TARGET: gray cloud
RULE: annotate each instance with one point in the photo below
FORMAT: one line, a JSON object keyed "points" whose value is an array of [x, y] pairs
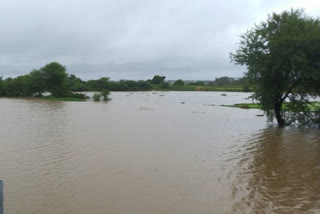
{"points": [[129, 39]]}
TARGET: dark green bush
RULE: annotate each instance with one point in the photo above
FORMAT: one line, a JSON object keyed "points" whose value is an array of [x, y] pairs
{"points": [[105, 93]]}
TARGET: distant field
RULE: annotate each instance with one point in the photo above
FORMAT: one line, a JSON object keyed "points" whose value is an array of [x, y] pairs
{"points": [[201, 88]]}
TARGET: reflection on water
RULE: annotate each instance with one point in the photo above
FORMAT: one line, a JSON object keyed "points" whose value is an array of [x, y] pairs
{"points": [[278, 171], [146, 153]]}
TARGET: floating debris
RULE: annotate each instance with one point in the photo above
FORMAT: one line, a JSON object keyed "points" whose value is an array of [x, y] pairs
{"points": [[260, 115]]}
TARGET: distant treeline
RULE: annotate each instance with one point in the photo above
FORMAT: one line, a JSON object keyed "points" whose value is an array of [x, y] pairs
{"points": [[54, 79], [156, 83]]}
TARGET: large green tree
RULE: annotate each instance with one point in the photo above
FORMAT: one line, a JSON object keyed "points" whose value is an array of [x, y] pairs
{"points": [[55, 78], [282, 56], [158, 79], [178, 82]]}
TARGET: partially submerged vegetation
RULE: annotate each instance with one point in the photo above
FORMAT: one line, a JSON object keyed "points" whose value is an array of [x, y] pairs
{"points": [[53, 79], [104, 94], [96, 97], [312, 106], [282, 55], [159, 83], [312, 110], [62, 99]]}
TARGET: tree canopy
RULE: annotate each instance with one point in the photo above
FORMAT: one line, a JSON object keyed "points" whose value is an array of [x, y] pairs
{"points": [[178, 82], [282, 56], [158, 79], [55, 78]]}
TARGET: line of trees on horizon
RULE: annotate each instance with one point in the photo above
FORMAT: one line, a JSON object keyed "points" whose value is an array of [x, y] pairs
{"points": [[54, 79]]}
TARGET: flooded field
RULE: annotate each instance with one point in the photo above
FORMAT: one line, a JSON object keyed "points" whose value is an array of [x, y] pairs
{"points": [[154, 153]]}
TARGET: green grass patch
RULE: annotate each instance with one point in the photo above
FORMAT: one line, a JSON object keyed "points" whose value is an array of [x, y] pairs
{"points": [[313, 106], [244, 105], [63, 99]]}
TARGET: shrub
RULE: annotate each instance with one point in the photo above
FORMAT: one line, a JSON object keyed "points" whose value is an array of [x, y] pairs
{"points": [[164, 85], [105, 93], [179, 82], [96, 96]]}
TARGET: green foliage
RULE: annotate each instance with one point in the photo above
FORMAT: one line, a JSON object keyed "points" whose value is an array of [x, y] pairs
{"points": [[122, 85], [197, 83], [96, 96], [105, 93], [34, 83], [2, 87], [99, 84], [246, 88], [282, 56], [224, 81], [55, 78], [230, 81], [164, 85], [14, 87], [76, 84], [63, 98], [312, 106], [51, 78], [158, 79], [179, 82]]}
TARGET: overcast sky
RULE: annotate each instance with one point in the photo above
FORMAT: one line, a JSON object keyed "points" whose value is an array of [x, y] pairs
{"points": [[131, 39]]}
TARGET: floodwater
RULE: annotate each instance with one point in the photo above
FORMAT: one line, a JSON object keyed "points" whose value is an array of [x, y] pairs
{"points": [[154, 153]]}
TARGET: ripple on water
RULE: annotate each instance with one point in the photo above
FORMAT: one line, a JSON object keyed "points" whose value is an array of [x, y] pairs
{"points": [[276, 171]]}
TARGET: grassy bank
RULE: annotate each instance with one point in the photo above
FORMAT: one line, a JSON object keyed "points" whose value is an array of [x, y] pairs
{"points": [[63, 99], [313, 106], [201, 88]]}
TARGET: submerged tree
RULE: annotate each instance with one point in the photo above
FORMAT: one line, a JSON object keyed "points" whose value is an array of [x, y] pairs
{"points": [[105, 94], [282, 56], [96, 96]]}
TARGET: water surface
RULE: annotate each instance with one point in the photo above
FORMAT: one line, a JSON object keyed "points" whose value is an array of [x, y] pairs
{"points": [[146, 152]]}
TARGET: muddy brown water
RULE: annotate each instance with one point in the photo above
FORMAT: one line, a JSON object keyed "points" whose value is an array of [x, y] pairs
{"points": [[145, 152]]}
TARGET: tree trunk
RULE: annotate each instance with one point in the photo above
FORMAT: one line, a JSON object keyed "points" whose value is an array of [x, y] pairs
{"points": [[277, 111]]}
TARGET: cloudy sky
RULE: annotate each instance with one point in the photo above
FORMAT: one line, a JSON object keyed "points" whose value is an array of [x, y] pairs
{"points": [[131, 39]]}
